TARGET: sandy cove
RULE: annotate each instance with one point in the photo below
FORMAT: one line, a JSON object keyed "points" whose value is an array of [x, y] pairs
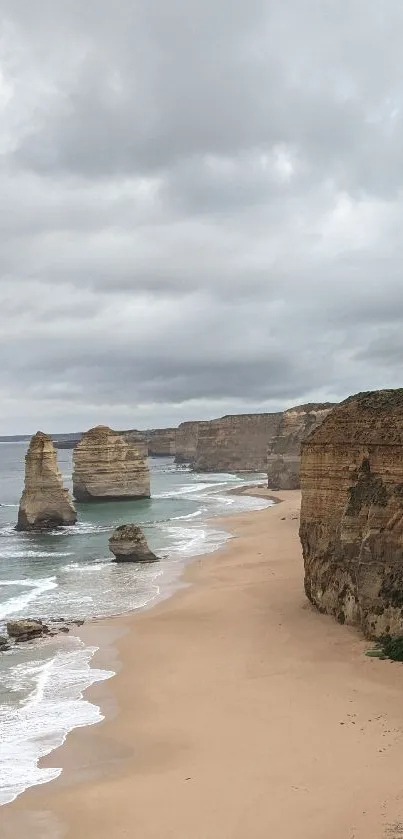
{"points": [[242, 714]]}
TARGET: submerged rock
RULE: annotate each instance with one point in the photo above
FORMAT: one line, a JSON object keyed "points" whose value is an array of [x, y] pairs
{"points": [[45, 503], [128, 544], [108, 466], [352, 513], [4, 643], [26, 630]]}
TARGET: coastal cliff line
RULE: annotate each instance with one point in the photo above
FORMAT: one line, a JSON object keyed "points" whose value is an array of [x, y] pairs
{"points": [[351, 525], [284, 448]]}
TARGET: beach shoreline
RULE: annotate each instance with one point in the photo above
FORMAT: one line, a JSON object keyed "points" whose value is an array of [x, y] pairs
{"points": [[236, 708]]}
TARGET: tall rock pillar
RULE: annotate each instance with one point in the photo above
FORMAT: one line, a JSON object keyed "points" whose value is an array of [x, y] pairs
{"points": [[45, 503]]}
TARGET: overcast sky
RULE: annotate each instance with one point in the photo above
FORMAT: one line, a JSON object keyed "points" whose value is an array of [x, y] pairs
{"points": [[201, 207]]}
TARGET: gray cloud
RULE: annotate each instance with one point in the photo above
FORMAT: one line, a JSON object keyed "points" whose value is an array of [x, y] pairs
{"points": [[201, 207]]}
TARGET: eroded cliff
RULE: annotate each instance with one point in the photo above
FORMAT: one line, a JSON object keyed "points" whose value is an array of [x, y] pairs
{"points": [[109, 466], [161, 442], [284, 450], [187, 435], [352, 512], [156, 442], [45, 503], [236, 443]]}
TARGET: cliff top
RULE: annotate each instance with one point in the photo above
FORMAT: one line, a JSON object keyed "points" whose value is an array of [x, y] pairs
{"points": [[311, 406], [39, 436], [378, 400], [97, 431], [368, 418]]}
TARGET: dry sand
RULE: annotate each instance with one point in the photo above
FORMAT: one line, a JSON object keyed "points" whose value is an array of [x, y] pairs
{"points": [[241, 714]]}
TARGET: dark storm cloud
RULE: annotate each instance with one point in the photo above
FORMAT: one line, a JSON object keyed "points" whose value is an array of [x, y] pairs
{"points": [[201, 207]]}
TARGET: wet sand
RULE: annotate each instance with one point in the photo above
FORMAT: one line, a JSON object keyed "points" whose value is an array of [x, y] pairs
{"points": [[238, 712]]}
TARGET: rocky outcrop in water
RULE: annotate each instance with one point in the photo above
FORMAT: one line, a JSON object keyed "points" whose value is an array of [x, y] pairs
{"points": [[128, 544], [235, 443], [107, 466], [26, 629], [352, 513], [284, 451], [45, 503], [32, 629], [187, 435]]}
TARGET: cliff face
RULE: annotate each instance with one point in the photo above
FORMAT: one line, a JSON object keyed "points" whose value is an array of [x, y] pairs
{"points": [[284, 451], [235, 443], [156, 442], [187, 435], [161, 442], [108, 466], [45, 503], [352, 512]]}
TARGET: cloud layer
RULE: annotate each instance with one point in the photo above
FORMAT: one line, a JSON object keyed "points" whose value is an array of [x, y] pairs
{"points": [[201, 207]]}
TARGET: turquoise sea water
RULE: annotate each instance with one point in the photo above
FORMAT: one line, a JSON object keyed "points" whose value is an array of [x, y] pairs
{"points": [[69, 574]]}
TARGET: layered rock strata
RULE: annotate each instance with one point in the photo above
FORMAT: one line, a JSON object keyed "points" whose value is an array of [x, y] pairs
{"points": [[352, 513], [187, 435], [235, 443], [139, 439], [45, 503], [128, 544], [284, 450], [107, 466]]}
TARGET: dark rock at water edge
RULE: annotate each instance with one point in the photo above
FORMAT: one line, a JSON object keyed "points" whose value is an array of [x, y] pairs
{"points": [[26, 630], [4, 643], [30, 629]]}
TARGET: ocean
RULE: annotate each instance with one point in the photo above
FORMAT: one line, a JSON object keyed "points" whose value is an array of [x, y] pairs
{"points": [[69, 574]]}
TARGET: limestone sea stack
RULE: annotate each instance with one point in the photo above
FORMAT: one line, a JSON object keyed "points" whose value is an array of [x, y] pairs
{"points": [[107, 466], [45, 503], [352, 513], [128, 544], [284, 450]]}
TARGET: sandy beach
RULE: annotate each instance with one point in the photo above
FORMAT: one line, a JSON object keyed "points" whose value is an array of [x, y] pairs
{"points": [[238, 712]]}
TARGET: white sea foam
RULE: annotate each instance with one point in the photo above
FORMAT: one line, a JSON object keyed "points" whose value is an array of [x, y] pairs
{"points": [[93, 567], [187, 489], [188, 542], [35, 589], [37, 726], [35, 554], [190, 516], [83, 528]]}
